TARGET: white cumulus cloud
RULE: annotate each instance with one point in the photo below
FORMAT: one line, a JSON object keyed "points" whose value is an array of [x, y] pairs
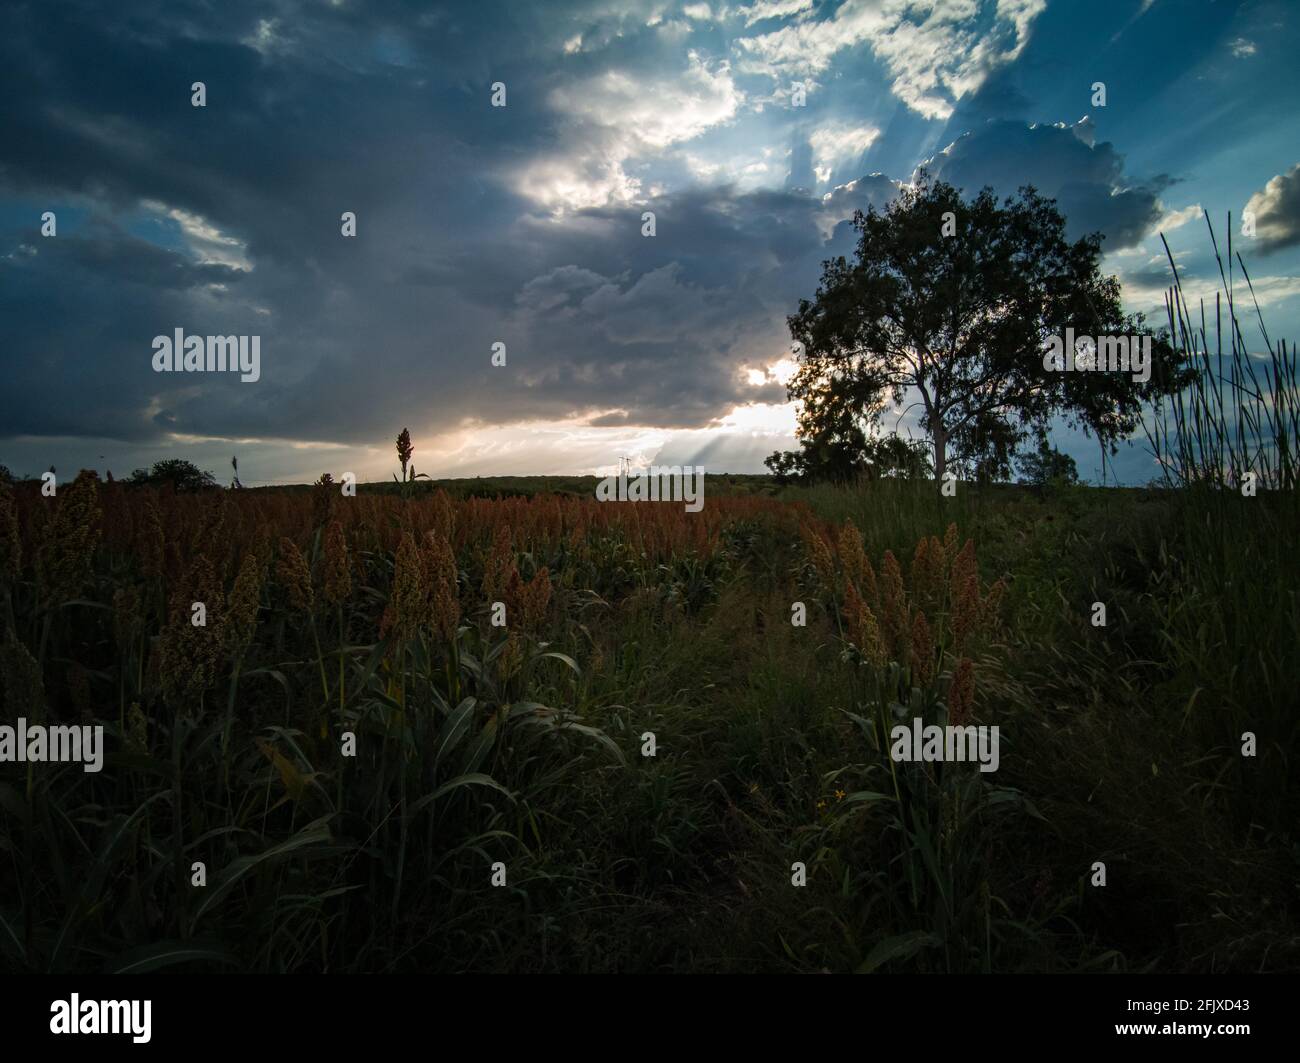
{"points": [[936, 51]]}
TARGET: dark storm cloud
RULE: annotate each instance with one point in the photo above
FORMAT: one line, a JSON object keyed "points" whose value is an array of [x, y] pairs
{"points": [[315, 113], [310, 113], [225, 219], [1087, 180], [657, 327], [70, 347]]}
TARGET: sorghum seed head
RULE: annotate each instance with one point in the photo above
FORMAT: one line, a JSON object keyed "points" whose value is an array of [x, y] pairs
{"points": [[961, 694], [852, 556], [407, 598], [444, 594], [294, 575], [922, 651], [23, 686], [63, 561], [893, 603], [338, 570], [862, 628], [245, 601], [819, 553]]}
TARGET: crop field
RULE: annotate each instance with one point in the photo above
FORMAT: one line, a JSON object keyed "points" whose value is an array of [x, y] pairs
{"points": [[460, 727]]}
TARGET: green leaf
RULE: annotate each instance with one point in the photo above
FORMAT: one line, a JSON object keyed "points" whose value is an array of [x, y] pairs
{"points": [[274, 674], [167, 954], [482, 744], [564, 658], [454, 730], [472, 779], [899, 947], [599, 735], [94, 880], [865, 797], [314, 833], [529, 708]]}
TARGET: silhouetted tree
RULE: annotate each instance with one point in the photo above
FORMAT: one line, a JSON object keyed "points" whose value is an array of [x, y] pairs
{"points": [[952, 301], [1045, 464], [182, 475], [835, 420]]}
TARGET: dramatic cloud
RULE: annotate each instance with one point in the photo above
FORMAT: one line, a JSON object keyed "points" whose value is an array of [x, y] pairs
{"points": [[1277, 211], [521, 224], [1146, 289], [1087, 180], [616, 116], [935, 52], [837, 145]]}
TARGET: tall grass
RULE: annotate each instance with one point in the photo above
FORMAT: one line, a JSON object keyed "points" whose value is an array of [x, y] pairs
{"points": [[1230, 618], [1239, 416]]}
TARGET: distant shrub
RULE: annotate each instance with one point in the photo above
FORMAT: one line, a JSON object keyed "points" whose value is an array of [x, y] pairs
{"points": [[1047, 465], [182, 475]]}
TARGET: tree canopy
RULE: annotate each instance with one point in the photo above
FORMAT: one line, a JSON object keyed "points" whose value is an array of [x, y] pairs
{"points": [[949, 303], [182, 475]]}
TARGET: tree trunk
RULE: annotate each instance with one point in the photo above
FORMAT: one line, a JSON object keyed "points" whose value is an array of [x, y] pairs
{"points": [[940, 452]]}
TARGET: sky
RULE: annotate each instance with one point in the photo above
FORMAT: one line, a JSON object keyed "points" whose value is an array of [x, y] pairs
{"points": [[522, 224]]}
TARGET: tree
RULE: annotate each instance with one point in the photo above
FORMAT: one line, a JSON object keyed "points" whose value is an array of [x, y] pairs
{"points": [[831, 431], [1045, 464], [837, 441], [952, 301], [887, 456], [892, 455], [180, 474], [786, 465]]}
